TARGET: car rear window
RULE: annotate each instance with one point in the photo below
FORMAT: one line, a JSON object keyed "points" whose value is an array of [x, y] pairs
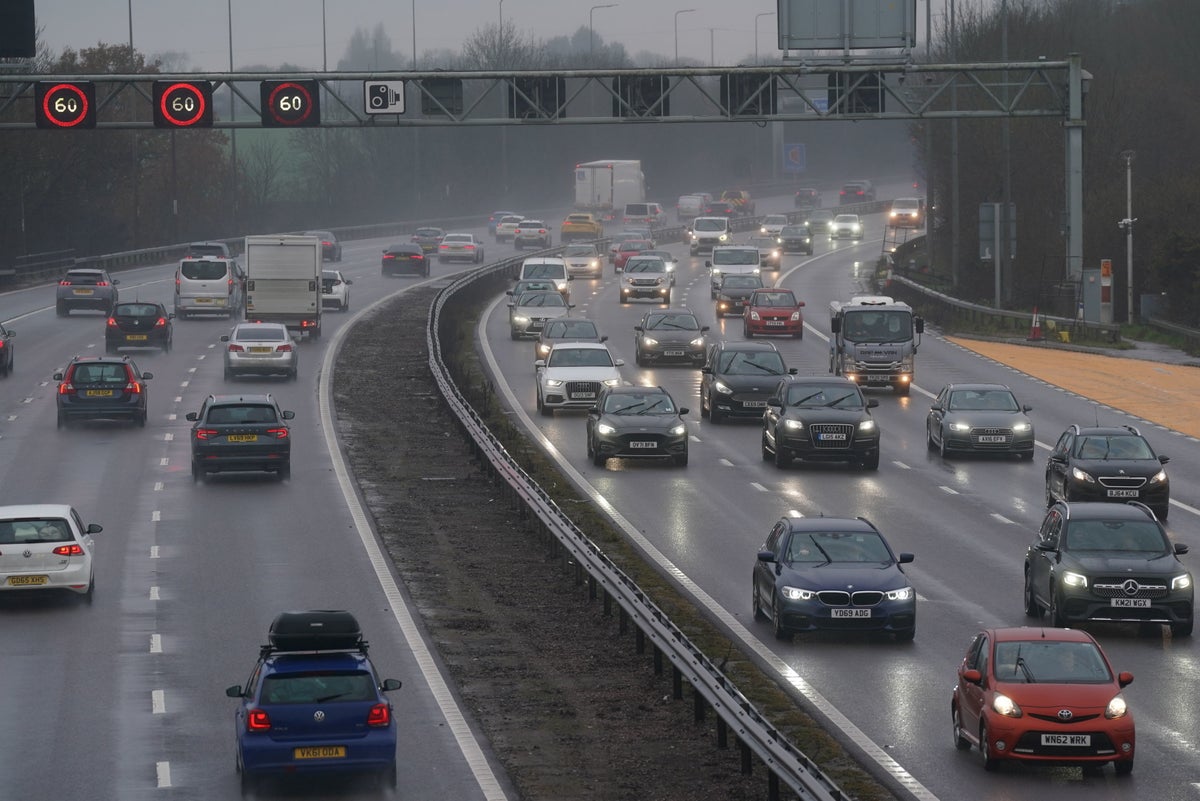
{"points": [[99, 374], [207, 250], [317, 688], [84, 278], [135, 310], [261, 334], [246, 413], [204, 270], [15, 532]]}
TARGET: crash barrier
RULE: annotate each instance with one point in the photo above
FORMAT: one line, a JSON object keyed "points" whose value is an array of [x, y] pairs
{"points": [[757, 738], [37, 264]]}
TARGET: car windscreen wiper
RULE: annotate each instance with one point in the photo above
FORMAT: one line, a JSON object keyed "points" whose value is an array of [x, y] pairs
{"points": [[836, 401], [651, 406]]}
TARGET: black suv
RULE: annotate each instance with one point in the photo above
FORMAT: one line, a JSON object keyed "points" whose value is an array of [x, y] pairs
{"points": [[1107, 463], [241, 432], [101, 388], [738, 377], [1104, 561], [820, 419]]}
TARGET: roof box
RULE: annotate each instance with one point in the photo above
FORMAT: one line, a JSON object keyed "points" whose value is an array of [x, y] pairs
{"points": [[315, 630]]}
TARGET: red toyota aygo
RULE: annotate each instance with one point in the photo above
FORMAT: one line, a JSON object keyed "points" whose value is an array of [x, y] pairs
{"points": [[1042, 695], [773, 311]]}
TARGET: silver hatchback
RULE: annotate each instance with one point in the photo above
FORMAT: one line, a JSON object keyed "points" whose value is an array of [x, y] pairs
{"points": [[85, 288], [262, 348]]}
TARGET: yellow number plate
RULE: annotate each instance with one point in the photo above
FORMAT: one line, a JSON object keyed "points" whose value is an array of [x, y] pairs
{"points": [[320, 752], [260, 350], [83, 291], [27, 581], [99, 393], [204, 300], [242, 438], [135, 337]]}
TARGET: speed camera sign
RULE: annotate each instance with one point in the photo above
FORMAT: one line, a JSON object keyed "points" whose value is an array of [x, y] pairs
{"points": [[383, 97]]}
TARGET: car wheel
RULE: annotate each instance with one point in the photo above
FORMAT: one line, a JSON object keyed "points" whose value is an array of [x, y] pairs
{"points": [[703, 406], [284, 473], [667, 299], [61, 309], [1058, 618], [1049, 494], [985, 751], [777, 627], [800, 332], [167, 346], [903, 389], [295, 374], [545, 410], [681, 459], [906, 635], [871, 462], [599, 459], [110, 348], [782, 457], [387, 776], [1031, 605], [960, 742], [929, 443], [1124, 767], [1161, 512], [639, 358], [942, 449], [197, 473], [624, 300], [513, 334], [746, 332], [715, 415], [1183, 629], [228, 374], [758, 613], [62, 420], [141, 420], [766, 452]]}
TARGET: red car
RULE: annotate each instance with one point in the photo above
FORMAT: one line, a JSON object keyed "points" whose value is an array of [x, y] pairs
{"points": [[630, 247], [1042, 695], [773, 311]]}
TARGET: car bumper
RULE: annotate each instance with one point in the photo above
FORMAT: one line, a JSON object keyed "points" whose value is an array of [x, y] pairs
{"points": [[149, 339], [789, 327], [635, 446], [803, 448], [740, 406], [1155, 496], [103, 302], [1175, 607], [75, 410], [405, 268], [220, 460], [333, 301], [798, 247], [888, 616], [630, 292], [458, 256], [684, 353], [264, 755], [969, 442], [213, 305], [1022, 741], [74, 578], [238, 364]]}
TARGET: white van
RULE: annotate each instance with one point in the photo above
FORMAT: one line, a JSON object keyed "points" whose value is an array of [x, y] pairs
{"points": [[689, 207], [733, 260], [650, 214], [548, 268], [208, 285]]}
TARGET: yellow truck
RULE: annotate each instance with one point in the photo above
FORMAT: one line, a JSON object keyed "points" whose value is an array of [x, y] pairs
{"points": [[580, 225], [741, 201]]}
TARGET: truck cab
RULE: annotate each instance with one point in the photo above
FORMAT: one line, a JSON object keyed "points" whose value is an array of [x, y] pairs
{"points": [[874, 341]]}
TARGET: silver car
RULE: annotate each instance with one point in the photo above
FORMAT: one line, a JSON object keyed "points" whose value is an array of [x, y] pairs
{"points": [[528, 312], [263, 348], [85, 288], [583, 260]]}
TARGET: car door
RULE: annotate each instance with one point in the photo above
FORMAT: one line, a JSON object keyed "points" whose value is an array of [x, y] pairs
{"points": [[710, 362], [1057, 464], [764, 572], [937, 412], [1042, 562], [971, 696], [773, 414]]}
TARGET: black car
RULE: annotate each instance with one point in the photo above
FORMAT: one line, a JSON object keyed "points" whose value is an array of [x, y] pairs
{"points": [[807, 199], [331, 248], [669, 335], [1107, 463], [405, 258], [241, 433], [770, 254], [6, 349], [565, 329], [101, 388], [734, 291], [721, 208], [139, 324], [1107, 561], [832, 573], [796, 239], [738, 377], [636, 422], [820, 419]]}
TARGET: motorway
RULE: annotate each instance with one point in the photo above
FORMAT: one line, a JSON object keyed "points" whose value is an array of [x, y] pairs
{"points": [[967, 520]]}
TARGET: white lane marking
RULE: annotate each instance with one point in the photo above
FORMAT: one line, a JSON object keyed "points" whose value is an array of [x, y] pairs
{"points": [[901, 465], [167, 437], [948, 490], [191, 369], [794, 513], [156, 516], [158, 485], [163, 771], [163, 462], [1002, 518], [156, 643], [172, 417], [12, 417], [153, 551], [27, 400], [759, 487], [439, 688], [154, 594], [184, 383], [739, 631], [158, 702], [724, 462], [201, 357], [179, 399]]}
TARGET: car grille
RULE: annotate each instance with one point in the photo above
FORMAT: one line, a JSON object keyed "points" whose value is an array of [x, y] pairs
{"points": [[816, 429], [1122, 482], [1125, 587], [843, 598], [644, 281], [767, 317], [582, 386]]}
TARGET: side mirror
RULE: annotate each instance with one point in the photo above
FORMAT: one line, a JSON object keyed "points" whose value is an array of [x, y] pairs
{"points": [[684, 410], [793, 370], [1181, 548], [147, 376], [774, 401], [619, 362], [191, 417], [766, 556], [937, 407], [708, 264], [539, 364], [225, 337], [57, 376], [706, 370], [905, 558], [389, 685], [570, 305], [1124, 678], [919, 324], [1047, 546], [801, 303], [170, 315], [1164, 459], [96, 528], [973, 676], [115, 282], [639, 328], [1027, 408], [13, 333], [348, 282], [835, 325], [235, 691], [604, 337], [872, 403], [289, 415], [704, 328], [508, 292]]}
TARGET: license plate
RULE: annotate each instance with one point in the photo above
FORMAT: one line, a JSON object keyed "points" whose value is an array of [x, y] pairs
{"points": [[775, 322], [536, 325], [242, 438], [320, 752], [1131, 603], [83, 291], [27, 581], [99, 393], [583, 396], [991, 438], [643, 445], [673, 353], [135, 337], [255, 349], [850, 613], [204, 300], [762, 404], [1067, 739], [828, 437], [1122, 493]]}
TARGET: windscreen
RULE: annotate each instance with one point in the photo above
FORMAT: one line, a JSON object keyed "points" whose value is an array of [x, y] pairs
{"points": [[877, 325]]}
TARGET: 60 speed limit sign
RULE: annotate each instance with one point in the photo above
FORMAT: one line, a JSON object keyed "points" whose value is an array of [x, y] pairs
{"points": [[183, 104]]}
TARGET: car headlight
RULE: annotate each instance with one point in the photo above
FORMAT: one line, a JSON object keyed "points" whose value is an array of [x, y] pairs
{"points": [[554, 382], [1159, 477], [716, 270], [756, 271], [698, 342], [594, 263], [1080, 475], [1181, 582], [754, 316], [520, 318], [1116, 708], [779, 239], [612, 382], [649, 342], [797, 594], [723, 237], [959, 427], [762, 230], [605, 428], [795, 317], [1072, 579], [560, 285], [794, 425], [1021, 428], [855, 227], [679, 430], [670, 268], [866, 425], [543, 350], [1006, 706], [720, 387], [774, 254], [902, 594]]}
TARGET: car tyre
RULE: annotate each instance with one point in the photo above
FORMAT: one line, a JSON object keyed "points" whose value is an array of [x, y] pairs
{"points": [[639, 358], [782, 457], [61, 309], [1123, 767], [197, 473], [766, 452], [1161, 512], [746, 332], [929, 443], [110, 349], [681, 459], [1183, 629], [758, 614], [777, 627], [903, 390], [599, 459], [62, 420], [985, 754], [228, 374], [1032, 609], [960, 742], [284, 473], [1049, 494], [294, 374], [715, 415], [387, 777], [1057, 618], [141, 420], [943, 451], [871, 462], [906, 635]]}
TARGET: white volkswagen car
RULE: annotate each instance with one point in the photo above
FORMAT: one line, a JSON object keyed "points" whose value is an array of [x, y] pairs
{"points": [[335, 290], [572, 375], [46, 546]]}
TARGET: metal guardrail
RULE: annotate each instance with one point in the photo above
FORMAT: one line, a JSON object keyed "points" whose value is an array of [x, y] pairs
{"points": [[786, 764]]}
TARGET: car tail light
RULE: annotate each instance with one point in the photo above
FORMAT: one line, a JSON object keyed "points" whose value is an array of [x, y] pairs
{"points": [[162, 321], [236, 348], [134, 388], [64, 282], [66, 387], [415, 256], [380, 715], [230, 286], [443, 247], [469, 247], [308, 324], [112, 323], [541, 230], [284, 348], [101, 283], [278, 433], [387, 256], [258, 720], [206, 433], [68, 550], [327, 244]]}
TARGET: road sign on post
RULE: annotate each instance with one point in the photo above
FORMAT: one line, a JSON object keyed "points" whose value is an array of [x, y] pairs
{"points": [[795, 158], [290, 104], [383, 97], [183, 104]]}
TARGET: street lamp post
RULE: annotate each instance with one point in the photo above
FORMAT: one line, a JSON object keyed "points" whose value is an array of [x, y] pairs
{"points": [[324, 42], [501, 16], [591, 34], [677, 13], [1127, 224], [232, 131], [756, 16]]}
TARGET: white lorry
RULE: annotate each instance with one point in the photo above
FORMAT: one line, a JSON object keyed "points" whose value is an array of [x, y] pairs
{"points": [[874, 342], [604, 187], [283, 281]]}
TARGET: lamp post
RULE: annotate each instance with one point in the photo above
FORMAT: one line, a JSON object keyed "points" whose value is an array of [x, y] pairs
{"points": [[324, 42], [1127, 224], [501, 16], [591, 34], [756, 16], [232, 131], [414, 37], [677, 13]]}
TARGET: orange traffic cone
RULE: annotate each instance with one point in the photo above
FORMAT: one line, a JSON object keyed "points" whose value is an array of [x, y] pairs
{"points": [[1035, 330]]}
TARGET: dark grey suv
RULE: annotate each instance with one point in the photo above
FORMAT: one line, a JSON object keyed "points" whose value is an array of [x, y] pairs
{"points": [[820, 419], [241, 433], [85, 288]]}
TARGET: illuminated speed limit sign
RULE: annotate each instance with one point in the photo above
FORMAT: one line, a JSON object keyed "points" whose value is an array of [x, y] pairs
{"points": [[290, 104], [61, 105], [183, 104]]}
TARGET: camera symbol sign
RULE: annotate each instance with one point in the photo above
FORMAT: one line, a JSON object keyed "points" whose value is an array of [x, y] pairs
{"points": [[383, 97]]}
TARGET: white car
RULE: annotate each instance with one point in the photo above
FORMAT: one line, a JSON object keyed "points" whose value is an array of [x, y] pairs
{"points": [[262, 348], [335, 290], [507, 226], [583, 260], [732, 260], [46, 546], [772, 224], [846, 226], [532, 233], [460, 247], [572, 375], [646, 277]]}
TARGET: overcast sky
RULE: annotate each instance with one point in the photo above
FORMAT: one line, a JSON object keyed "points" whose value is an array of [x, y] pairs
{"points": [[275, 31]]}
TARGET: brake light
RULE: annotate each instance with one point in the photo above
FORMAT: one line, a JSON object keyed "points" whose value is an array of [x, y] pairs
{"points": [[230, 286], [469, 247], [134, 388], [327, 244], [387, 256], [278, 433], [162, 321], [112, 323], [308, 324], [68, 550], [416, 256], [206, 433], [236, 348], [64, 282], [541, 230], [66, 388], [284, 348], [101, 283], [258, 720], [380, 715]]}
